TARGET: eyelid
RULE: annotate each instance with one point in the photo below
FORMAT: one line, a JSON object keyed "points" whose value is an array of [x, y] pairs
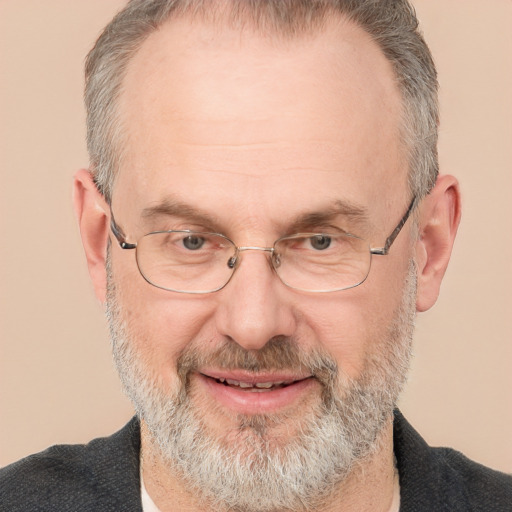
{"points": [[183, 226], [326, 229]]}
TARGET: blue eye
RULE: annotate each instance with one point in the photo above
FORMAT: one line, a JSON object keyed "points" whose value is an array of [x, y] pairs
{"points": [[320, 242], [193, 242]]}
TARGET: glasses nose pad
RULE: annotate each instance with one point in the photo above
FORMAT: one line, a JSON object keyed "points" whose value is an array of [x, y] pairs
{"points": [[232, 262], [276, 260]]}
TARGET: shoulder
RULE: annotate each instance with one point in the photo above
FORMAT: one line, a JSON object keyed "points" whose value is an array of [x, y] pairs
{"points": [[443, 479], [486, 488], [95, 476]]}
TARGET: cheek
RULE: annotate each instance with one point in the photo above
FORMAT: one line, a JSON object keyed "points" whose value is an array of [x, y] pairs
{"points": [[161, 324], [351, 325], [342, 330]]}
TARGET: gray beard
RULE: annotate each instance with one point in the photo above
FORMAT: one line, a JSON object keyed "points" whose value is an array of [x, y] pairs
{"points": [[250, 470]]}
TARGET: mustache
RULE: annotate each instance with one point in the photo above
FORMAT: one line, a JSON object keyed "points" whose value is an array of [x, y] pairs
{"points": [[279, 353]]}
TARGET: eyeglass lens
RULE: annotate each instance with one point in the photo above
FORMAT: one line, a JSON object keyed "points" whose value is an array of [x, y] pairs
{"points": [[203, 262]]}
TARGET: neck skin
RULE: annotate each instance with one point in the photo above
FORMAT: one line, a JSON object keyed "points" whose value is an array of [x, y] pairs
{"points": [[369, 487]]}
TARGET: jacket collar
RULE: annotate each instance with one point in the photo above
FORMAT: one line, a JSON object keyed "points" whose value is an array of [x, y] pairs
{"points": [[427, 482]]}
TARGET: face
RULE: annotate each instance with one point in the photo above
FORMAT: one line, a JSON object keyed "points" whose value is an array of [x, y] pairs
{"points": [[249, 136]]}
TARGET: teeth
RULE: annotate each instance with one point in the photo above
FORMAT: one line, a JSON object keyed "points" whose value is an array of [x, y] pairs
{"points": [[267, 385], [248, 385], [238, 384], [232, 382]]}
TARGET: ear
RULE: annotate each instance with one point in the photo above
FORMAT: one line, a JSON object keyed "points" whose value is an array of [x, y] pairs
{"points": [[439, 219], [92, 213]]}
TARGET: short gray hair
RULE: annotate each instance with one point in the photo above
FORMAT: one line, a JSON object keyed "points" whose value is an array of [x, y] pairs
{"points": [[392, 24]]}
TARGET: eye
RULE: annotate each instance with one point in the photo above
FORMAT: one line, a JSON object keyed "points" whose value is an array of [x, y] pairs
{"points": [[320, 242], [193, 242]]}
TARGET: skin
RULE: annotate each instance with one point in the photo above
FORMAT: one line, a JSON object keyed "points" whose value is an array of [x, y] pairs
{"points": [[256, 132]]}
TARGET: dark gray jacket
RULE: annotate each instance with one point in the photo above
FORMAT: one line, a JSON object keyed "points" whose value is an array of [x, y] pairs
{"points": [[103, 476]]}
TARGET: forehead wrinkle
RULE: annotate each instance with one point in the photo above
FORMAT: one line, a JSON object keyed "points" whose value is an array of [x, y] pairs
{"points": [[309, 155], [250, 174]]}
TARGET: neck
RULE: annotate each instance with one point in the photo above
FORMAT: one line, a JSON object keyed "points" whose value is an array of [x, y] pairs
{"points": [[368, 487]]}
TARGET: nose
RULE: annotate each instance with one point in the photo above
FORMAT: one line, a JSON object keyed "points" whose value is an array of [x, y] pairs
{"points": [[255, 306]]}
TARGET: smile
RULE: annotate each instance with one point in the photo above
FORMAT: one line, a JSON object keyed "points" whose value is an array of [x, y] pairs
{"points": [[248, 393], [256, 386]]}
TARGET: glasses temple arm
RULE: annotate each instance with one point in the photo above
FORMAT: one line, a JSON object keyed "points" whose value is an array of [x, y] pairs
{"points": [[383, 251], [118, 233]]}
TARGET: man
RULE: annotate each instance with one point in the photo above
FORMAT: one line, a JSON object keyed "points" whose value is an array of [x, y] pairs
{"points": [[263, 218]]}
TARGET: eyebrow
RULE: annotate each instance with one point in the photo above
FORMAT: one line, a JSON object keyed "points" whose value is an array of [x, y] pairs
{"points": [[171, 207], [353, 215]]}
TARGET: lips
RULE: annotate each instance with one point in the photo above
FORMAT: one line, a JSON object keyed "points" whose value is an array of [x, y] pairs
{"points": [[250, 393]]}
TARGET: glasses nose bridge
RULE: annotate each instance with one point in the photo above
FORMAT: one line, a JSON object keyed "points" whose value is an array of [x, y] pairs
{"points": [[255, 248], [235, 261], [270, 250]]}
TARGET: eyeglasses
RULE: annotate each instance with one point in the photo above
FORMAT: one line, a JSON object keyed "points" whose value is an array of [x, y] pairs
{"points": [[196, 262]]}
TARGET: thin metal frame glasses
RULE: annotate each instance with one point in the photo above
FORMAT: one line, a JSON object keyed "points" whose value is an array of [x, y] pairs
{"points": [[186, 261]]}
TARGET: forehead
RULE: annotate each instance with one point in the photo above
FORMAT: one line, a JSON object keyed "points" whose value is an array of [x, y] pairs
{"points": [[232, 119]]}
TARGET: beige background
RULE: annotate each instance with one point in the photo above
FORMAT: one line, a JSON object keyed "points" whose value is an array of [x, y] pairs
{"points": [[56, 379]]}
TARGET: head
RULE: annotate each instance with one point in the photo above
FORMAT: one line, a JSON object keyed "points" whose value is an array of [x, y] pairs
{"points": [[258, 120]]}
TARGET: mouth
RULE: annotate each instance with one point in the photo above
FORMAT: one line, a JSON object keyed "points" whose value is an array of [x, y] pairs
{"points": [[256, 387], [247, 393]]}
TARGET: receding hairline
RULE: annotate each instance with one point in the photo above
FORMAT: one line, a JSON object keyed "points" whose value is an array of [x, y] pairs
{"points": [[262, 17], [268, 18], [237, 16], [336, 26], [386, 23]]}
